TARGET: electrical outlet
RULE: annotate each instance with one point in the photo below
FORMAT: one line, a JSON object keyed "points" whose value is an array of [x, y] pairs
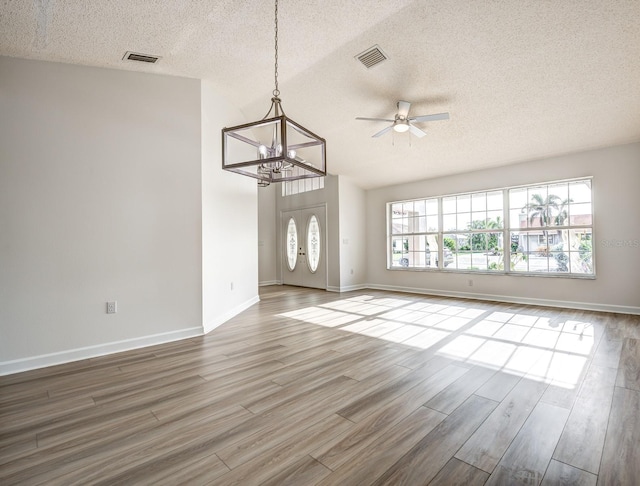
{"points": [[112, 307], [470, 283], [231, 285]]}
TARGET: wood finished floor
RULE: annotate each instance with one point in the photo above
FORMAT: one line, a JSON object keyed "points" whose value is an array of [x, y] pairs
{"points": [[309, 387]]}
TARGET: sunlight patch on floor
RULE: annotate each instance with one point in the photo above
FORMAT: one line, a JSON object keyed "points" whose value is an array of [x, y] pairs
{"points": [[550, 350]]}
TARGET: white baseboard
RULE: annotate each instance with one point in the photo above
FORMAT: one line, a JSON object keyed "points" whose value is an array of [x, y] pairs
{"points": [[211, 325], [347, 288], [42, 361], [619, 309], [269, 282]]}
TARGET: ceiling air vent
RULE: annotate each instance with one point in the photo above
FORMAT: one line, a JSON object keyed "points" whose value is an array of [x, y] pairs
{"points": [[371, 56], [136, 56]]}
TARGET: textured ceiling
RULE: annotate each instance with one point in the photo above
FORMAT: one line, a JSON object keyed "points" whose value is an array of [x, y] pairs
{"points": [[521, 79]]}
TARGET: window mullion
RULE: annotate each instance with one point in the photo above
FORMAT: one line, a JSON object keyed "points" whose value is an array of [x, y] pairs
{"points": [[506, 232], [440, 236]]}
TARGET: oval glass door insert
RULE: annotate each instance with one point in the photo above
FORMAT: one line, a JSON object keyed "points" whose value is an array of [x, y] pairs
{"points": [[292, 244], [313, 243]]}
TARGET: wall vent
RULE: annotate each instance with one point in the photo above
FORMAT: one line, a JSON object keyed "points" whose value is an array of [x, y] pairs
{"points": [[372, 57], [136, 56]]}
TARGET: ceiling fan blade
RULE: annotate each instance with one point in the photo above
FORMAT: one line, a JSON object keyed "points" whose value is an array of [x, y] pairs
{"points": [[382, 132], [424, 118], [375, 119], [416, 131], [403, 108]]}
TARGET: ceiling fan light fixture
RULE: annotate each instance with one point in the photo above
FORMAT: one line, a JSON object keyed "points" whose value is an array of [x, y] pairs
{"points": [[275, 148], [402, 122], [401, 126]]}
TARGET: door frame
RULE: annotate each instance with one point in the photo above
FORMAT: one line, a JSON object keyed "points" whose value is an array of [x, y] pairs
{"points": [[282, 250]]}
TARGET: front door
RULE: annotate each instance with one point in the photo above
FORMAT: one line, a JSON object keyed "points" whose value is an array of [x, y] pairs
{"points": [[304, 261]]}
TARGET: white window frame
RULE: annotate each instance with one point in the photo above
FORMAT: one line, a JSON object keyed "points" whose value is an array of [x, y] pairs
{"points": [[422, 245], [569, 227]]}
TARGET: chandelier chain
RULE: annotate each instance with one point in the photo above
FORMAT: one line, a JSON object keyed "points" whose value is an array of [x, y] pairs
{"points": [[276, 92]]}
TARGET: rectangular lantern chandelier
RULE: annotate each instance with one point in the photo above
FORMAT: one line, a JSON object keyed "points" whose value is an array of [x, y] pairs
{"points": [[275, 148]]}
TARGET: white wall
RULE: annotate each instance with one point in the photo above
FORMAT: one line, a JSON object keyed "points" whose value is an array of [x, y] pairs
{"points": [[99, 201], [353, 236], [616, 173], [267, 236], [111, 188], [229, 221]]}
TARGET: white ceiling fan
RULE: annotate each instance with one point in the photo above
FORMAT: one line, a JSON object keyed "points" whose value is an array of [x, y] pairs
{"points": [[403, 122]]}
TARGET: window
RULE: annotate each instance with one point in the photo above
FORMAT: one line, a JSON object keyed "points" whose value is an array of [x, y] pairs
{"points": [[289, 188], [473, 226], [292, 244], [414, 233], [313, 243], [539, 229], [551, 228]]}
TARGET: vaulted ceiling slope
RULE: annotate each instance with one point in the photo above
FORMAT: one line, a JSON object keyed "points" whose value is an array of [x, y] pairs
{"points": [[521, 79]]}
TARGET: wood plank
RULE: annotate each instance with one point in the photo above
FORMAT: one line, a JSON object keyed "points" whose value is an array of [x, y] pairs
{"points": [[528, 456], [300, 387], [41, 461], [31, 419], [95, 460], [12, 400], [582, 440], [608, 353], [204, 470], [369, 430], [623, 327], [561, 395], [629, 367], [460, 390], [487, 444], [178, 463], [305, 471], [359, 409], [339, 386], [85, 431], [560, 474], [423, 462], [271, 463], [498, 386], [213, 394], [284, 422], [383, 359], [383, 453], [16, 447], [320, 367], [621, 455], [458, 473]]}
